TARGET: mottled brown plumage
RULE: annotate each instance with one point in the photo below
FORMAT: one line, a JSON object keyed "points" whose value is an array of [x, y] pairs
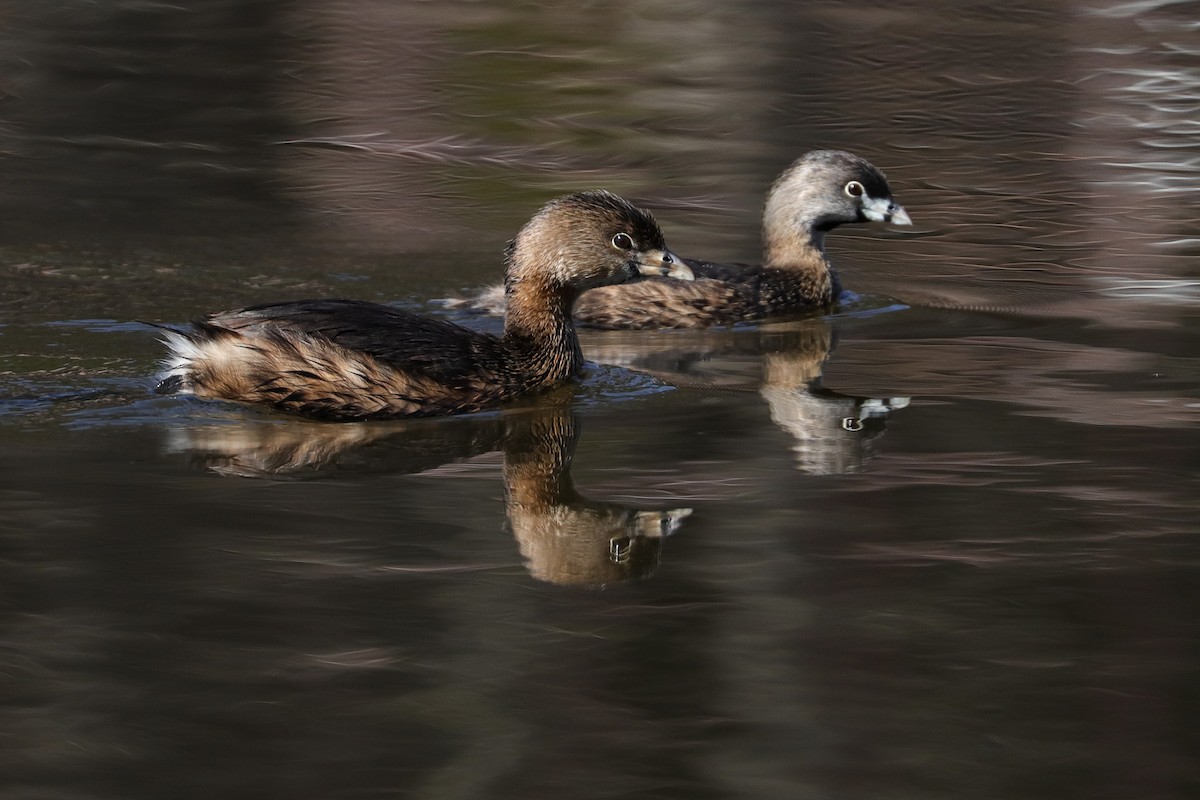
{"points": [[347, 359], [818, 192]]}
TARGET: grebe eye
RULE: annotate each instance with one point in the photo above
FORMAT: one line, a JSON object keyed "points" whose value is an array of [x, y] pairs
{"points": [[855, 189], [622, 241]]}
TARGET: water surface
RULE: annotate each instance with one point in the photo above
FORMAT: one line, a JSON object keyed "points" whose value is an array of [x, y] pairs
{"points": [[941, 543]]}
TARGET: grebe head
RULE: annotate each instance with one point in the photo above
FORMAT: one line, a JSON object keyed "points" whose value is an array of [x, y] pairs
{"points": [[591, 239], [826, 188]]}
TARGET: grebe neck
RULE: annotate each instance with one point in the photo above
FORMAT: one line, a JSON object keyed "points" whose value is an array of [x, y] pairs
{"points": [[539, 332], [798, 246]]}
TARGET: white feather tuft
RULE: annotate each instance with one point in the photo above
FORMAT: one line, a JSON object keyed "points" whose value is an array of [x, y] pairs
{"points": [[182, 354]]}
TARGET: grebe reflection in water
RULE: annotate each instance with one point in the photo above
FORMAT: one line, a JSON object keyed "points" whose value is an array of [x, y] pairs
{"points": [[564, 536], [832, 433]]}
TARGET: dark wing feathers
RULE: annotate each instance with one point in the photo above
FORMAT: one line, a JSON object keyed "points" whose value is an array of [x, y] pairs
{"points": [[730, 273], [433, 347]]}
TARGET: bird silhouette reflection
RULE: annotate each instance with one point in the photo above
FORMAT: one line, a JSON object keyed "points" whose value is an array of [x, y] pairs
{"points": [[564, 536], [833, 433]]}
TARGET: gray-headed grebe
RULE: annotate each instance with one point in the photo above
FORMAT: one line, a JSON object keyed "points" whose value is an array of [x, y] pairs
{"points": [[818, 192], [352, 360]]}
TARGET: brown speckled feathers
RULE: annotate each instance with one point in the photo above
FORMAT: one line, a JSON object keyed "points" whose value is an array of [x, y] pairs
{"points": [[344, 359], [817, 193], [349, 360], [722, 294]]}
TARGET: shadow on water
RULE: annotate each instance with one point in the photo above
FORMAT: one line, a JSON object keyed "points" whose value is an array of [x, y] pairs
{"points": [[953, 555]]}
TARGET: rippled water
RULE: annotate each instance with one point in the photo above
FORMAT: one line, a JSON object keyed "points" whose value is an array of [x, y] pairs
{"points": [[942, 543]]}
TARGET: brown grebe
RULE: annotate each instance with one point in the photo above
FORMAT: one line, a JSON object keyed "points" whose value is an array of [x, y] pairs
{"points": [[353, 360]]}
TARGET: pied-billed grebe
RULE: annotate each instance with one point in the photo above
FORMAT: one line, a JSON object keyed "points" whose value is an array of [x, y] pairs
{"points": [[818, 192], [351, 360]]}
